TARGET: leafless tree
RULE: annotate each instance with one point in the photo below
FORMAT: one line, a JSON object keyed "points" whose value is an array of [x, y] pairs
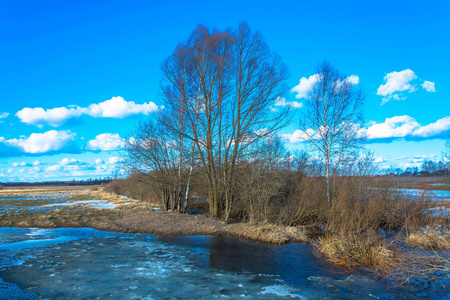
{"points": [[219, 87], [332, 118], [446, 152], [152, 153]]}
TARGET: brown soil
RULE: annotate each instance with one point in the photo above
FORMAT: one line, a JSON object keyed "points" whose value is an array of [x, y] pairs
{"points": [[140, 217]]}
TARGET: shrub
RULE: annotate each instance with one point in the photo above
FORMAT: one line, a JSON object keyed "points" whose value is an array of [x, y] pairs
{"points": [[429, 239], [363, 250]]}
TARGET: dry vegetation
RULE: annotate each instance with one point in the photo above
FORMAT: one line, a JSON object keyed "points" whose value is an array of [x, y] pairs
{"points": [[429, 238], [140, 217], [368, 250]]}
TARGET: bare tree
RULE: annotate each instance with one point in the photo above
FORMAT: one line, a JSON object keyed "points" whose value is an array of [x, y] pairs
{"points": [[153, 153], [332, 118], [446, 152], [220, 87]]}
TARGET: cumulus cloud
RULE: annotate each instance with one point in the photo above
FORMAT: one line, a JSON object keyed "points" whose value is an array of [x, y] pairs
{"points": [[353, 79], [297, 136], [429, 86], [105, 141], [397, 82], [408, 128], [116, 107], [305, 84], [395, 127], [54, 117], [69, 161], [43, 142], [16, 164], [4, 115], [434, 129], [282, 102], [114, 159], [53, 168], [36, 163], [98, 161]]}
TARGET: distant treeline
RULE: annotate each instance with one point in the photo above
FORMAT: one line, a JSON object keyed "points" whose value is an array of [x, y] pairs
{"points": [[428, 168], [57, 183]]}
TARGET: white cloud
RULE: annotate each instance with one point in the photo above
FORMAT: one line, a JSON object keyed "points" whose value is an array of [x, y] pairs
{"points": [[2, 139], [53, 168], [297, 136], [69, 161], [429, 86], [398, 126], [16, 164], [10, 170], [353, 79], [433, 129], [43, 142], [406, 127], [98, 161], [397, 82], [34, 170], [305, 85], [114, 159], [54, 117], [106, 141], [4, 115], [379, 159], [116, 107], [36, 162], [282, 102]]}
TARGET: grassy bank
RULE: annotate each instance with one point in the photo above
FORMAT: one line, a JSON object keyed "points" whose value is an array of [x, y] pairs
{"points": [[132, 218]]}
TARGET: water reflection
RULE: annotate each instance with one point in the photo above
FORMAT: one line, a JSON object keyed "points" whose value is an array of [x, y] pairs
{"points": [[294, 262]]}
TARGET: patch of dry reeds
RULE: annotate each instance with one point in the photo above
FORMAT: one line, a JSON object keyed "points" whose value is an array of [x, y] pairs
{"points": [[267, 233], [353, 251], [429, 239]]}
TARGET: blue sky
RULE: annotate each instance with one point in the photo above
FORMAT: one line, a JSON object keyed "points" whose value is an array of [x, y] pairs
{"points": [[77, 76]]}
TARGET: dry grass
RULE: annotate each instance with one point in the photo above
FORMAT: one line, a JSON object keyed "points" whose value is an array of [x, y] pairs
{"points": [[142, 219], [267, 233], [429, 239], [355, 251]]}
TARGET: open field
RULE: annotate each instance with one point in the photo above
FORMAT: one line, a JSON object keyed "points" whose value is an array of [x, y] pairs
{"points": [[92, 207], [440, 183]]}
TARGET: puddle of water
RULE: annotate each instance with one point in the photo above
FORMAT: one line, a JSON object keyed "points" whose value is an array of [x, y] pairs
{"points": [[86, 263]]}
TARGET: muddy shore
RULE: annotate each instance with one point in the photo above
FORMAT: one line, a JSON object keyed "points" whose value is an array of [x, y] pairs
{"points": [[131, 217]]}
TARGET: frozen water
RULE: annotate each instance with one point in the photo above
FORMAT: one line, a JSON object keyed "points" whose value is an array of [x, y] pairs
{"points": [[86, 263]]}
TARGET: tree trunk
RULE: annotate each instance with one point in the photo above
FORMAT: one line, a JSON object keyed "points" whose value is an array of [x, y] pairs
{"points": [[327, 170]]}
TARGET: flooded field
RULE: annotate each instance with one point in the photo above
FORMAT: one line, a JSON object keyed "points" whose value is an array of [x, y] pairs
{"points": [[90, 264], [44, 201], [84, 263]]}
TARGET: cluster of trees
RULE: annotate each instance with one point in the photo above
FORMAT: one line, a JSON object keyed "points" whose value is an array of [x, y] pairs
{"points": [[218, 130], [219, 90], [428, 168]]}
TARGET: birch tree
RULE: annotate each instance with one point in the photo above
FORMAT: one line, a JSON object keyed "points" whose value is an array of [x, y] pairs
{"points": [[332, 118]]}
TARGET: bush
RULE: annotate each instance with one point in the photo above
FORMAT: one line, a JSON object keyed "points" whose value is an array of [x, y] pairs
{"points": [[363, 250], [434, 239]]}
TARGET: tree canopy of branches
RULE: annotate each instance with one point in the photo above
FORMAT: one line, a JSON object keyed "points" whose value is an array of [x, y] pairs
{"points": [[446, 151], [219, 89], [332, 118], [151, 154]]}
